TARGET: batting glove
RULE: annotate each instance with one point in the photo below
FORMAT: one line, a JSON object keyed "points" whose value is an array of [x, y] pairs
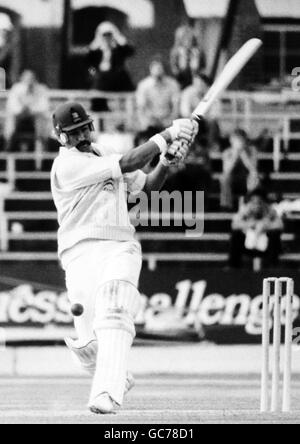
{"points": [[185, 129], [176, 154]]}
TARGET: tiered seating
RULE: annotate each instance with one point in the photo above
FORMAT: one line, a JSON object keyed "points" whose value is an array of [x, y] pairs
{"points": [[28, 225], [31, 218]]}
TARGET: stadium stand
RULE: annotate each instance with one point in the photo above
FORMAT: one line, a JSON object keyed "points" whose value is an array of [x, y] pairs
{"points": [[28, 218]]}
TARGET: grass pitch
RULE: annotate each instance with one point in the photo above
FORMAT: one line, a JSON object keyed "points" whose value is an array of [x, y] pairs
{"points": [[161, 399]]}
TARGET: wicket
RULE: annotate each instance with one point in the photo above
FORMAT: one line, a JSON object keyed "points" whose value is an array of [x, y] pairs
{"points": [[281, 300]]}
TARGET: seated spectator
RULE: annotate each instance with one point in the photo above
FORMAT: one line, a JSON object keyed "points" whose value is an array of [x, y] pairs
{"points": [[27, 111], [157, 100], [240, 172], [186, 56], [106, 60], [190, 98], [256, 231]]}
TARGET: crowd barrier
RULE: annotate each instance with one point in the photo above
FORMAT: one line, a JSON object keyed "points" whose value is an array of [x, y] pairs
{"points": [[256, 112]]}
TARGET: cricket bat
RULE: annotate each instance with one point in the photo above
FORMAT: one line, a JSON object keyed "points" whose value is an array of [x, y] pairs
{"points": [[231, 70]]}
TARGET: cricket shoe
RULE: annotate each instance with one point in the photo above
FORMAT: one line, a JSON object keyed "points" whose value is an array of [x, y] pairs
{"points": [[103, 405], [86, 357]]}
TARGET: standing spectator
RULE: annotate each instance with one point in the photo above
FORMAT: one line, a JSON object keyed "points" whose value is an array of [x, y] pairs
{"points": [[186, 56], [257, 231], [27, 110], [190, 98], [239, 169], [157, 100], [8, 44], [106, 59]]}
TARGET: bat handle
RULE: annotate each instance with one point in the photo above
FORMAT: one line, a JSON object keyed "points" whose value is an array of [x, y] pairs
{"points": [[197, 118]]}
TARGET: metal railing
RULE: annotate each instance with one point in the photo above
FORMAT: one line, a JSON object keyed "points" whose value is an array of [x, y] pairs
{"points": [[10, 173], [254, 111], [278, 112]]}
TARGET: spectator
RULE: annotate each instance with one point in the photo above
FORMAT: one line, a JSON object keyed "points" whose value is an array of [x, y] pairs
{"points": [[8, 45], [27, 110], [186, 56], [239, 169], [157, 100], [191, 96], [106, 59], [257, 231]]}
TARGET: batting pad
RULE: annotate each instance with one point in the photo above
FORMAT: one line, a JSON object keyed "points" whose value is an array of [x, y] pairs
{"points": [[117, 295], [116, 306]]}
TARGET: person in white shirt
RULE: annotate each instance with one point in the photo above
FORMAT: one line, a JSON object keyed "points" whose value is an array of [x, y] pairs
{"points": [[28, 101], [96, 240], [256, 231], [157, 99]]}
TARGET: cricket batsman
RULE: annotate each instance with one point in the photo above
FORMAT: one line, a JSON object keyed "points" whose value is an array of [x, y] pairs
{"points": [[96, 241]]}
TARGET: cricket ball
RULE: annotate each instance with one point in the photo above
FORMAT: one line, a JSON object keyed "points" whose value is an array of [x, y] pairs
{"points": [[77, 310]]}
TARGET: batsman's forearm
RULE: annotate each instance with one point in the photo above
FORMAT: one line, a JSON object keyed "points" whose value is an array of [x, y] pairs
{"points": [[156, 179], [140, 157]]}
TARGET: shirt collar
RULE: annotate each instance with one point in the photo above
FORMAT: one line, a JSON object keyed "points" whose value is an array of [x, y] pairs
{"points": [[161, 82]]}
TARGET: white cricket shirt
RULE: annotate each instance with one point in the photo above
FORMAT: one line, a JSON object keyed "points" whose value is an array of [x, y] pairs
{"points": [[90, 194]]}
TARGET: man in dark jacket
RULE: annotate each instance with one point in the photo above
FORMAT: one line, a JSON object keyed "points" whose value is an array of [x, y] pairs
{"points": [[107, 58]]}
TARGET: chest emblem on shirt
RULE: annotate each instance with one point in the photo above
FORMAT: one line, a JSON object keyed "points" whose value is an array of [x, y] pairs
{"points": [[109, 185]]}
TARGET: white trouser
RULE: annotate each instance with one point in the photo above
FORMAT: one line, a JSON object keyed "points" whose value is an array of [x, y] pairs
{"points": [[92, 264]]}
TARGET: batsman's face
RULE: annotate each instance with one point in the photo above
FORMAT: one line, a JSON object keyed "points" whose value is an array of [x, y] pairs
{"points": [[81, 138]]}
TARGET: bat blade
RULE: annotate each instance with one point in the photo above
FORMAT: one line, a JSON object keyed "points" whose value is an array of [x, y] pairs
{"points": [[229, 73]]}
